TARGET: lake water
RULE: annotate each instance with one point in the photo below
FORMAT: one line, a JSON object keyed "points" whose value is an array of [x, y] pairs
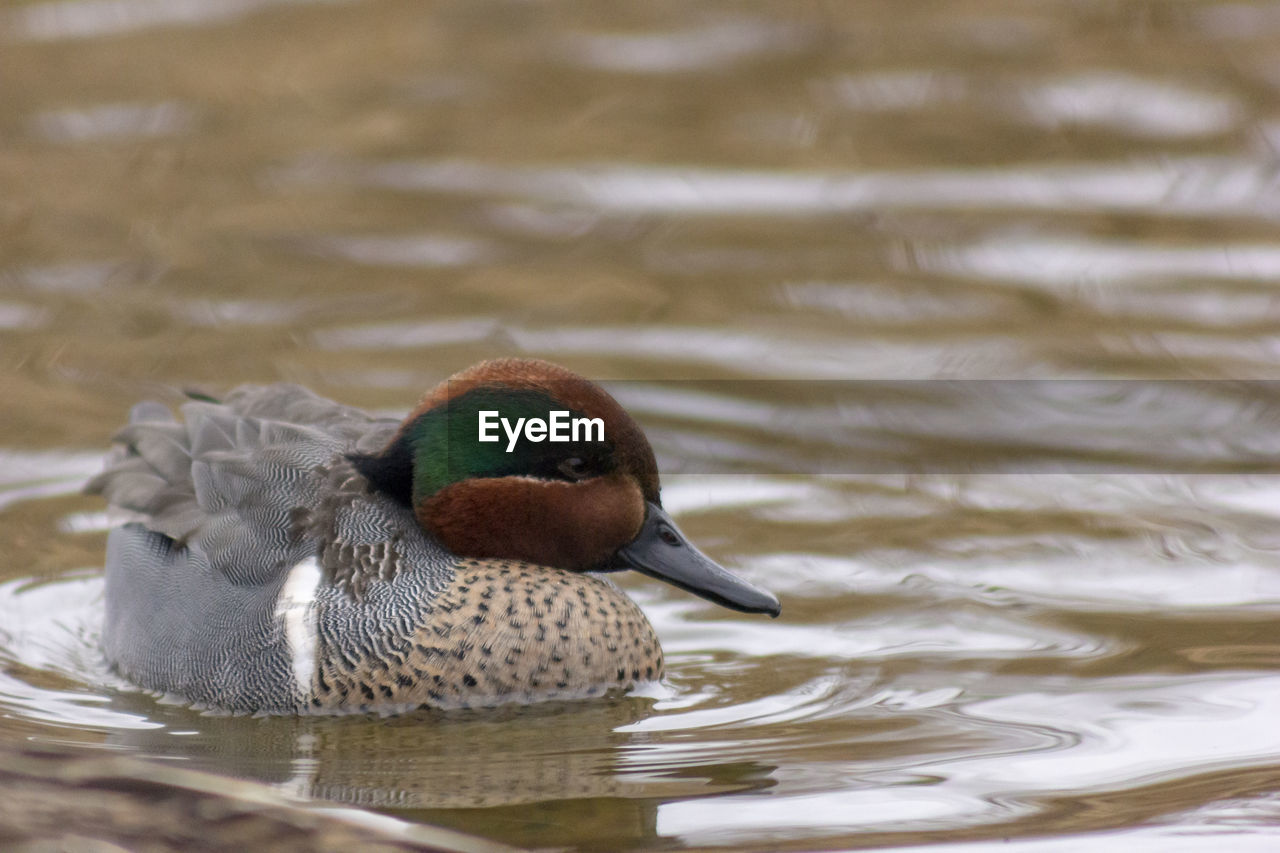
{"points": [[1036, 613]]}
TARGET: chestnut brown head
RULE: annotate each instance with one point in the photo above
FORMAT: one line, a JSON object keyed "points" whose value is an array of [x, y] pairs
{"points": [[522, 459]]}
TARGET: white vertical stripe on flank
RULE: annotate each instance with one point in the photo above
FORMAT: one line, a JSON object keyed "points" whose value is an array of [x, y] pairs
{"points": [[296, 609]]}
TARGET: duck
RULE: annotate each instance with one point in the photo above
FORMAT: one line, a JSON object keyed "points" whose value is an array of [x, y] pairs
{"points": [[280, 553]]}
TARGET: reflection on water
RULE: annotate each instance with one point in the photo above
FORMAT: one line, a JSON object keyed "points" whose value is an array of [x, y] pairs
{"points": [[1029, 616], [78, 19], [1130, 105], [1039, 259], [700, 48], [1187, 187], [1112, 101], [113, 120]]}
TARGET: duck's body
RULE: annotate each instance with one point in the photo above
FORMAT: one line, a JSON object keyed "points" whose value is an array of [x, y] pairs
{"points": [[281, 562]]}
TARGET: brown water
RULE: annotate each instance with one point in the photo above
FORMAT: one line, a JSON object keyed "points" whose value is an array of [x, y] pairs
{"points": [[987, 651]]}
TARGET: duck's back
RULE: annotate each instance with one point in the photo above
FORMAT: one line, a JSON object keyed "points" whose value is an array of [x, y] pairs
{"points": [[251, 535]]}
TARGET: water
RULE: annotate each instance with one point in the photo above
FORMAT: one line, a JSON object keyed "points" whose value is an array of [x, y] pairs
{"points": [[1016, 616]]}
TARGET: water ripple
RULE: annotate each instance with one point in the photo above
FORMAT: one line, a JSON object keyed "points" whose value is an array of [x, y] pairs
{"points": [[114, 121], [424, 250], [1131, 104], [1133, 729], [1201, 186], [79, 19], [714, 45], [26, 474], [1071, 261]]}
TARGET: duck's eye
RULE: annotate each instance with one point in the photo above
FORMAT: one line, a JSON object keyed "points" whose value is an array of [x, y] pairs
{"points": [[574, 468]]}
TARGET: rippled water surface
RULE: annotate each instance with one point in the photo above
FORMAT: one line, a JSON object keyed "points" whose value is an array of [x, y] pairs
{"points": [[1017, 616]]}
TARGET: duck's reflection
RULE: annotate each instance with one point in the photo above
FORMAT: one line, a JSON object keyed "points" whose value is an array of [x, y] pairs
{"points": [[521, 773]]}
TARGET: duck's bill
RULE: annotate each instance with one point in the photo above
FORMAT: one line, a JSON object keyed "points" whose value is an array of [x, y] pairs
{"points": [[661, 551]]}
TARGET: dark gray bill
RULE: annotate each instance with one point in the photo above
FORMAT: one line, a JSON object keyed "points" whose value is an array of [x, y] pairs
{"points": [[661, 551]]}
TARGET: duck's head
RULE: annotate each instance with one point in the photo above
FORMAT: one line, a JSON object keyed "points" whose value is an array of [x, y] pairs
{"points": [[587, 503]]}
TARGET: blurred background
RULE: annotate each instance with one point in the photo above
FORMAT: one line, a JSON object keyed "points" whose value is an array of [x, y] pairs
{"points": [[367, 196]]}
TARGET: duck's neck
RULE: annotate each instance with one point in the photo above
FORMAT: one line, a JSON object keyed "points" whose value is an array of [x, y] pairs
{"points": [[422, 458], [438, 446]]}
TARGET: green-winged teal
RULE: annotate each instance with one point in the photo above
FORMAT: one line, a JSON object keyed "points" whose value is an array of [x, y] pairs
{"points": [[288, 554]]}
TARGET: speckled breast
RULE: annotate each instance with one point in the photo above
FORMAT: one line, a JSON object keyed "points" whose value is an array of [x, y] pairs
{"points": [[499, 631]]}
